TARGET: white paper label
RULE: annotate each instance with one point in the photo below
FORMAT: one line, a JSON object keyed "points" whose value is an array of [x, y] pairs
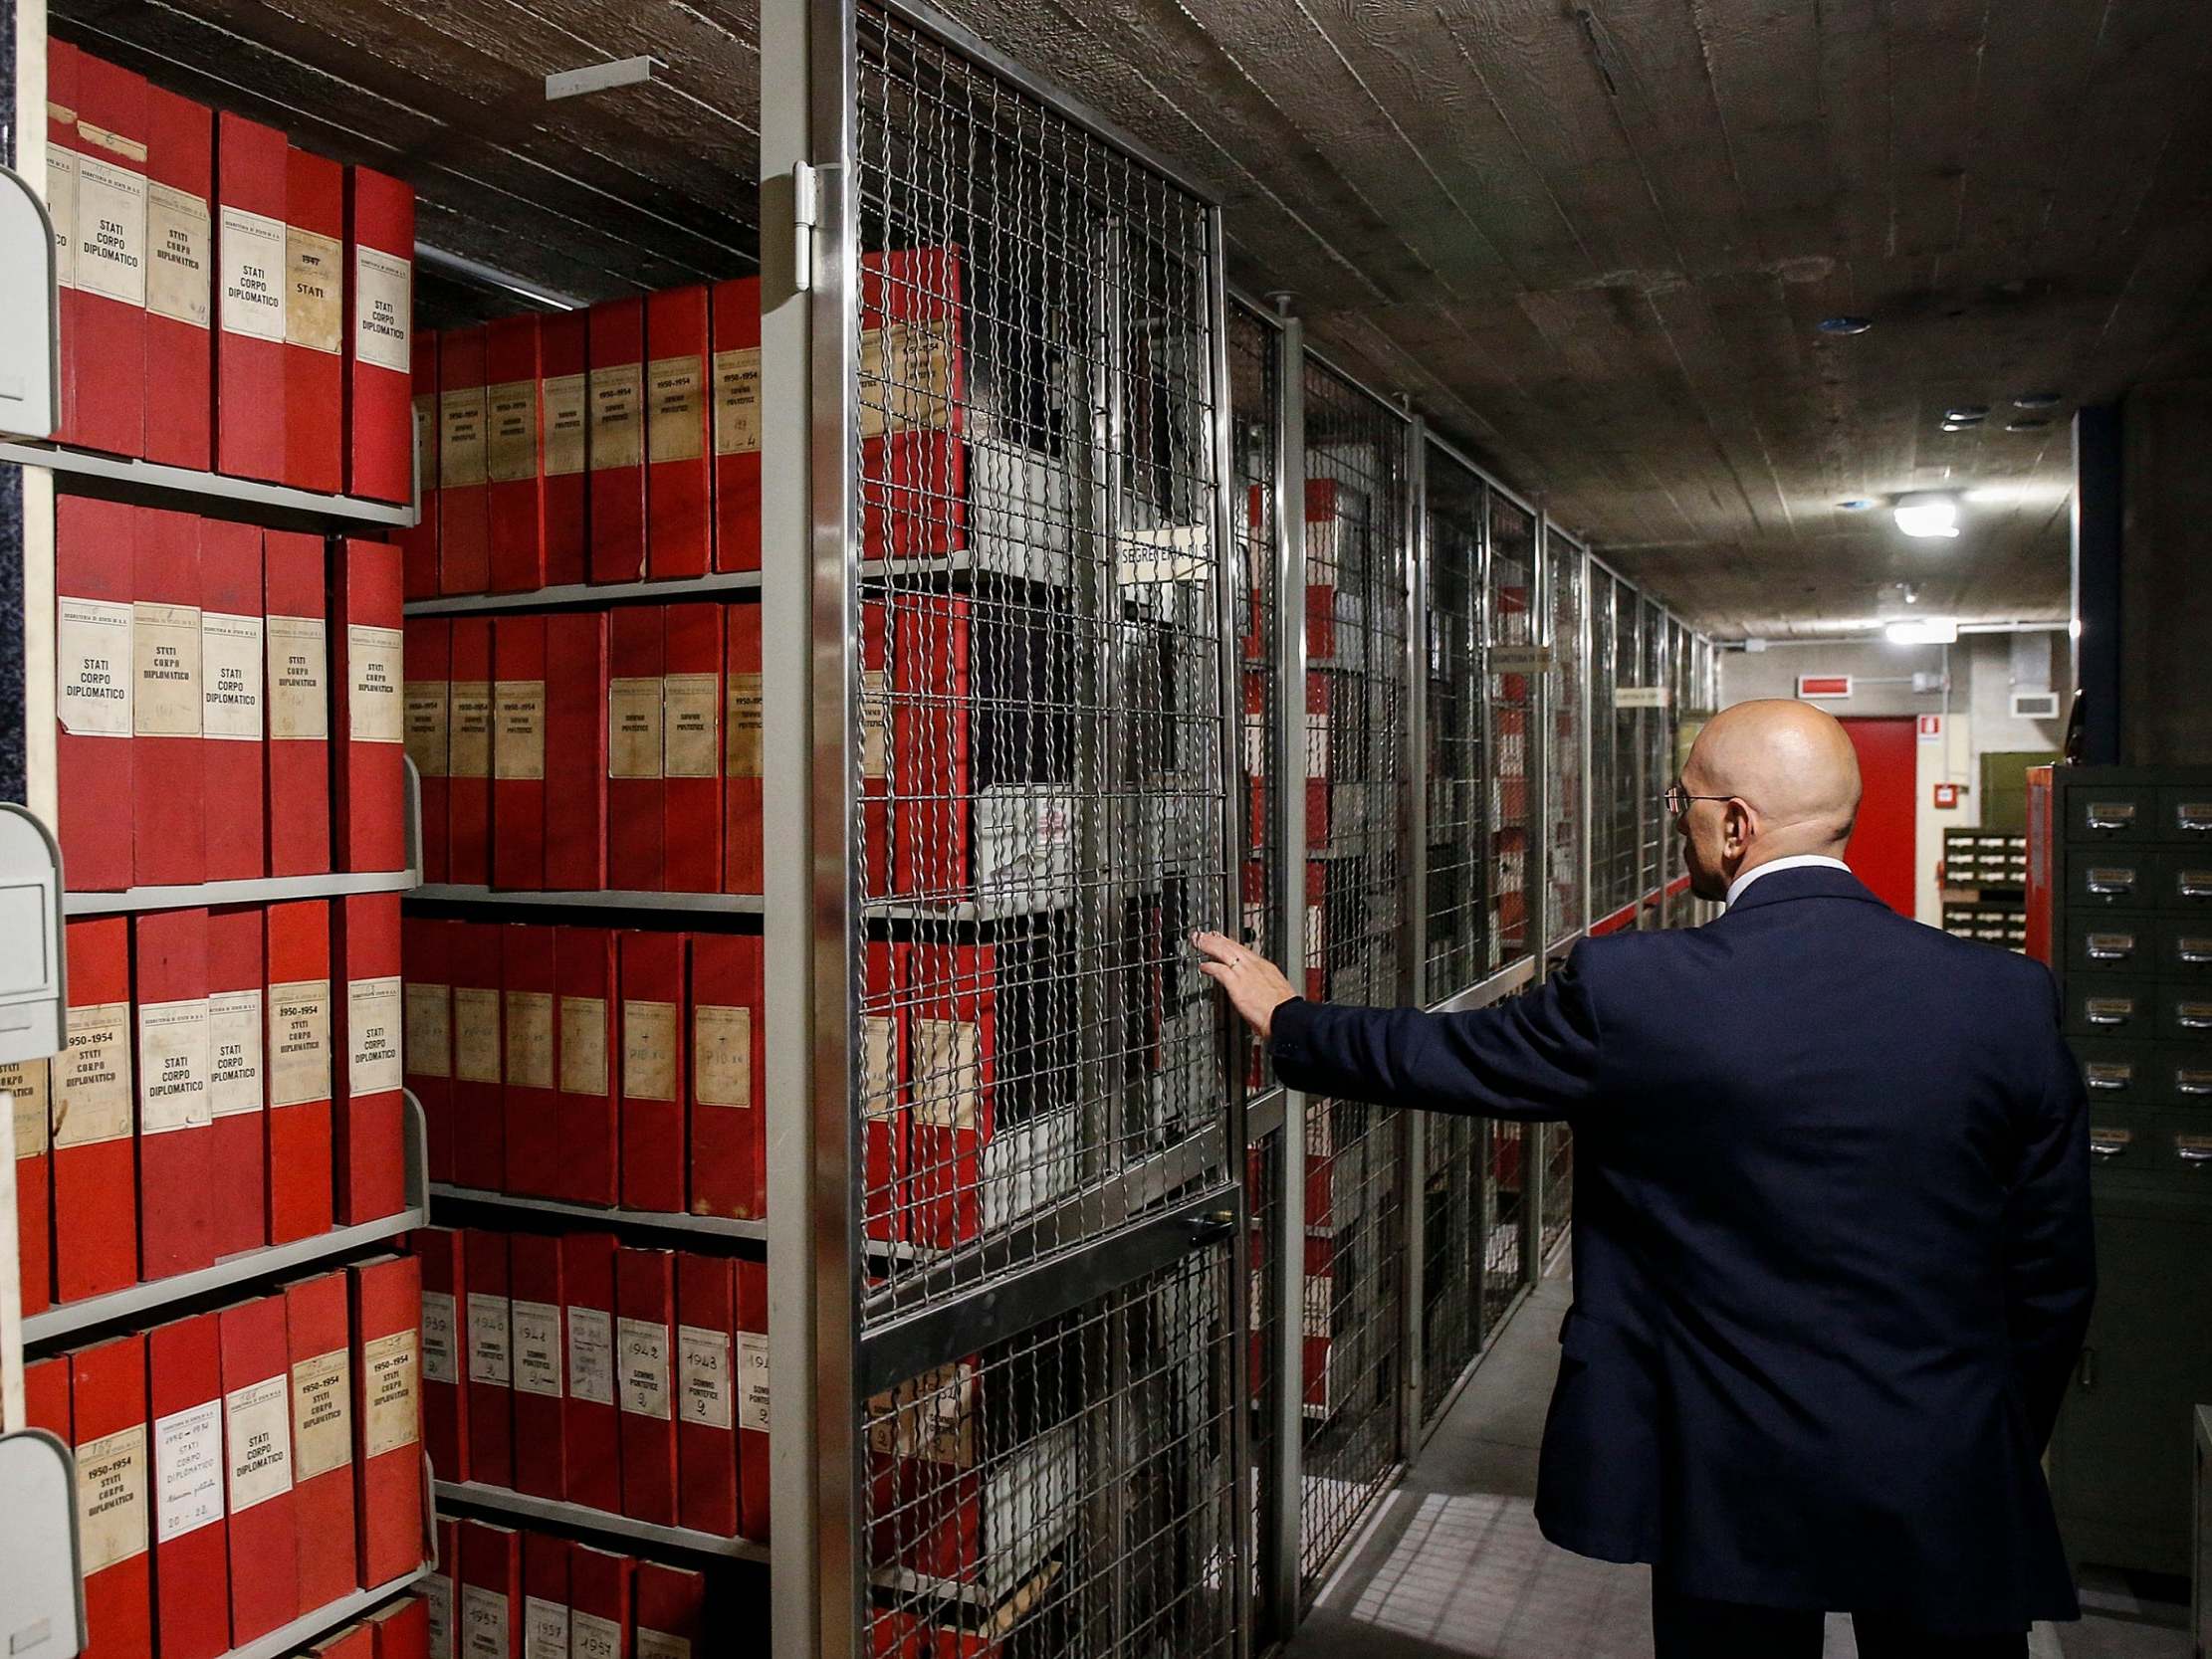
{"points": [[112, 1499], [188, 1470], [659, 1644], [948, 1076], [95, 666], [644, 1345], [721, 1055], [299, 657], [251, 250], [392, 1418], [373, 1021], [376, 714], [591, 1356], [437, 1337], [437, 1591], [234, 1050], [649, 1050], [429, 1037], [61, 207], [753, 1380], [258, 1431], [173, 1066], [544, 1629], [179, 238], [488, 1337], [321, 1415], [24, 1083], [298, 1042], [594, 1637], [165, 649], [383, 308], [231, 657], [583, 1045], [476, 1034], [110, 229], [92, 1082], [537, 1348], [315, 313], [703, 1360], [483, 1628], [737, 401]]}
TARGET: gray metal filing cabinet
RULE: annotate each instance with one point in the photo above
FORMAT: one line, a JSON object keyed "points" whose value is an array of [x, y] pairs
{"points": [[2131, 943]]}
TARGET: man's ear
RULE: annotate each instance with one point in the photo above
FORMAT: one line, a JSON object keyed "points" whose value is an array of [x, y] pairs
{"points": [[1739, 827]]}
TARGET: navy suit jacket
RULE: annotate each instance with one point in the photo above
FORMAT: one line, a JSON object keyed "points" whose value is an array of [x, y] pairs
{"points": [[1832, 1246]]}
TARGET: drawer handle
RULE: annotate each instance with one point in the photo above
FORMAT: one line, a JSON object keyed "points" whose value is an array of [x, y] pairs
{"points": [[2195, 1154], [2100, 1080], [2112, 814], [2108, 1010], [2193, 1083], [2108, 1149], [2196, 884], [2195, 951], [2194, 816], [2194, 1016], [2111, 947]]}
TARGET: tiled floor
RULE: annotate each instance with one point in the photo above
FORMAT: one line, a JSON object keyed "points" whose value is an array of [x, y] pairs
{"points": [[1455, 1569]]}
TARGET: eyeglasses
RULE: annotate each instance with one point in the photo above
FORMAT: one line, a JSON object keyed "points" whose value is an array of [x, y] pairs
{"points": [[1677, 800]]}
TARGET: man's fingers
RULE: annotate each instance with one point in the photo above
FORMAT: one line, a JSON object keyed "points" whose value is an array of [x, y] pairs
{"points": [[1219, 947], [1215, 971]]}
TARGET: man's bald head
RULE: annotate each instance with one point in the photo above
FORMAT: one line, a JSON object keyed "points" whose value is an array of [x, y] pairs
{"points": [[1792, 779]]}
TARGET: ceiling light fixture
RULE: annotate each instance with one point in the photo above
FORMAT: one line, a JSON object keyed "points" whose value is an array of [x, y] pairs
{"points": [[1857, 504], [1923, 630], [1927, 513], [1844, 324]]}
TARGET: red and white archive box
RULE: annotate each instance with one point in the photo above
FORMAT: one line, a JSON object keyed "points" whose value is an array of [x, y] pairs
{"points": [[26, 1085], [488, 1618], [617, 440], [706, 1393], [533, 1150], [679, 470], [318, 1329], [563, 420], [654, 1071], [599, 1594], [753, 1399], [491, 1378], [441, 1254], [369, 801], [108, 1413], [252, 185], [388, 1416], [727, 1079], [298, 1055], [464, 501], [426, 968], [191, 1561], [180, 252], [296, 628], [691, 748], [671, 1611], [379, 338], [105, 332], [94, 672], [233, 659], [544, 1632], [537, 1296], [418, 543], [314, 322], [575, 816], [238, 1080], [741, 750], [587, 1112], [257, 1445], [167, 780], [429, 704], [369, 1140], [176, 1133], [736, 424], [518, 793], [645, 1330], [913, 460], [592, 1416], [514, 457], [95, 1215]]}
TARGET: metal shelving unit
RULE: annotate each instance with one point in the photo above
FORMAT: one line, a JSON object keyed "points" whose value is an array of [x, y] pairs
{"points": [[149, 483], [704, 903], [290, 1638], [620, 1220], [520, 1506], [266, 890], [589, 596]]}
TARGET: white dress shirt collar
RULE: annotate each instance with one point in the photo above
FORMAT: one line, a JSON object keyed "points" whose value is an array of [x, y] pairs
{"points": [[1797, 861]]}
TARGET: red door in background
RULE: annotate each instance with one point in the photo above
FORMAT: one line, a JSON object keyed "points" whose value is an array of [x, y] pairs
{"points": [[1881, 852]]}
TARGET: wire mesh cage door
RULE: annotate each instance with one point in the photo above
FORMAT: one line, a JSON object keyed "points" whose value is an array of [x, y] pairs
{"points": [[1565, 688], [1046, 1257], [1458, 752]]}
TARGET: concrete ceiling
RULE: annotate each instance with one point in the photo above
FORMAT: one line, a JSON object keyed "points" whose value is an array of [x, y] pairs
{"points": [[1591, 238]]}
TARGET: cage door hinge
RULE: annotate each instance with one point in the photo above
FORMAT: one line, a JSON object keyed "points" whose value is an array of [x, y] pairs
{"points": [[806, 219]]}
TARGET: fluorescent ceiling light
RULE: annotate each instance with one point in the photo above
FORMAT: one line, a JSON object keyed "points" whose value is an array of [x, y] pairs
{"points": [[1923, 630], [1927, 513]]}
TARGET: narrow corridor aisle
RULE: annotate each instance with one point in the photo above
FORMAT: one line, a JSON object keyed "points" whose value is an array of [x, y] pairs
{"points": [[1455, 1567]]}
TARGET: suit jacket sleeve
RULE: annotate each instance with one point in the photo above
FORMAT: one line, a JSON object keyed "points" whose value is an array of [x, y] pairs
{"points": [[2050, 1247], [1534, 1056]]}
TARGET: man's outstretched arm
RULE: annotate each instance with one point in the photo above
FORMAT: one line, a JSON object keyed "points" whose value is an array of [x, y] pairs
{"points": [[1532, 1056]]}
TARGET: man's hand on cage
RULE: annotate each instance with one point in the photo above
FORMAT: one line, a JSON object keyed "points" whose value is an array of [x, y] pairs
{"points": [[1255, 986]]}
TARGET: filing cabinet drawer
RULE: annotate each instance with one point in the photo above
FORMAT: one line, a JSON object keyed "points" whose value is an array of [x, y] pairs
{"points": [[2190, 1149], [2185, 1014], [2118, 1076], [2124, 1148], [2185, 814], [2113, 812], [2118, 878], [2181, 882], [2185, 949], [2101, 1006], [2121, 944], [2185, 1079]]}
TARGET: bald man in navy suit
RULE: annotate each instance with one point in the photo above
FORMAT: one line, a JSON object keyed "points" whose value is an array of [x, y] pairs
{"points": [[1832, 1246]]}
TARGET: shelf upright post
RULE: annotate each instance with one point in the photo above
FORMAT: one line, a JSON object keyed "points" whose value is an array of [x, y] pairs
{"points": [[1412, 961], [810, 349], [1543, 723], [1587, 675], [1281, 1507]]}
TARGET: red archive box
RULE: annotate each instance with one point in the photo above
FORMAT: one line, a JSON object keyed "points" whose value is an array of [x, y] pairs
{"points": [[464, 484], [679, 468], [236, 1082], [691, 742], [636, 663], [252, 183], [576, 733], [468, 789], [883, 1116], [318, 1331], [706, 1394], [368, 793], [314, 322], [514, 457], [191, 1562], [491, 1583], [429, 650], [27, 1086], [62, 65], [380, 338], [644, 1333], [875, 749], [180, 252], [354, 1641], [654, 1071], [491, 1362], [728, 1145], [741, 751], [545, 1595], [479, 1133], [737, 425], [176, 1133], [425, 965], [563, 420], [536, 1298], [616, 386], [441, 1593], [46, 1396], [445, 1408], [591, 1420], [753, 1399], [96, 669], [600, 1585], [96, 1212], [419, 541], [256, 1443], [519, 753], [298, 1055], [914, 499], [371, 1135], [233, 659], [298, 795], [533, 1151], [588, 1115], [388, 1416], [109, 259], [401, 1629], [168, 786], [107, 1412], [671, 1610], [1317, 761]]}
